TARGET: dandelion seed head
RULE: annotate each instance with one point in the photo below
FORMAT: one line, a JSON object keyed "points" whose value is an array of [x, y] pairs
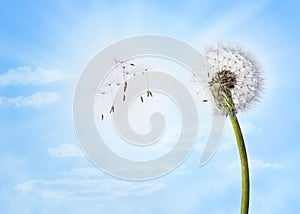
{"points": [[235, 76]]}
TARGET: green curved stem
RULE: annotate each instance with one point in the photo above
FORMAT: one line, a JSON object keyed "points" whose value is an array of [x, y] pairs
{"points": [[244, 164]]}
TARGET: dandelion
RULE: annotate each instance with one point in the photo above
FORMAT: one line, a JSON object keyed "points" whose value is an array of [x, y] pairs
{"points": [[235, 83], [236, 75]]}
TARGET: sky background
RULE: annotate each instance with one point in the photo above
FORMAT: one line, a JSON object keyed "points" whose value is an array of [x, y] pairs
{"points": [[44, 46]]}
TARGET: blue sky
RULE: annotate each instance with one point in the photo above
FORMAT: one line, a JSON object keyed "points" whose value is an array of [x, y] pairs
{"points": [[44, 46]]}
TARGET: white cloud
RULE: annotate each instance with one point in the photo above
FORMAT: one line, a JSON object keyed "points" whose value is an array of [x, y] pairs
{"points": [[36, 100], [86, 183], [86, 189], [253, 165], [65, 150], [25, 187], [85, 172], [28, 76], [259, 164]]}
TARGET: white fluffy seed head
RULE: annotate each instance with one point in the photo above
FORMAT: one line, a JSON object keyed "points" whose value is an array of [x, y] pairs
{"points": [[236, 75]]}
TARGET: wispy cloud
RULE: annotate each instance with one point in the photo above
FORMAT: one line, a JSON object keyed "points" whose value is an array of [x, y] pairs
{"points": [[259, 164], [253, 165], [85, 172], [86, 189], [28, 76], [36, 100], [65, 150], [229, 22]]}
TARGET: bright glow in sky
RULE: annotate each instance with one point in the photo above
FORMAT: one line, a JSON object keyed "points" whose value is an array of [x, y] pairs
{"points": [[44, 45]]}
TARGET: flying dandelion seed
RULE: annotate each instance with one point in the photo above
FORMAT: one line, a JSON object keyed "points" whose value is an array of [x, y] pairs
{"points": [[112, 109], [148, 92], [235, 83], [106, 93], [126, 72], [125, 86], [119, 78], [102, 100]]}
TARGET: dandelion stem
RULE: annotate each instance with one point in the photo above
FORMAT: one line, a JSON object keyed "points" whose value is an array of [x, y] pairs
{"points": [[244, 164]]}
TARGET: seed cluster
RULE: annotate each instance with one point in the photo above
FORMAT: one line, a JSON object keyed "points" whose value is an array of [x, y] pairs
{"points": [[225, 77], [124, 71], [235, 79]]}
